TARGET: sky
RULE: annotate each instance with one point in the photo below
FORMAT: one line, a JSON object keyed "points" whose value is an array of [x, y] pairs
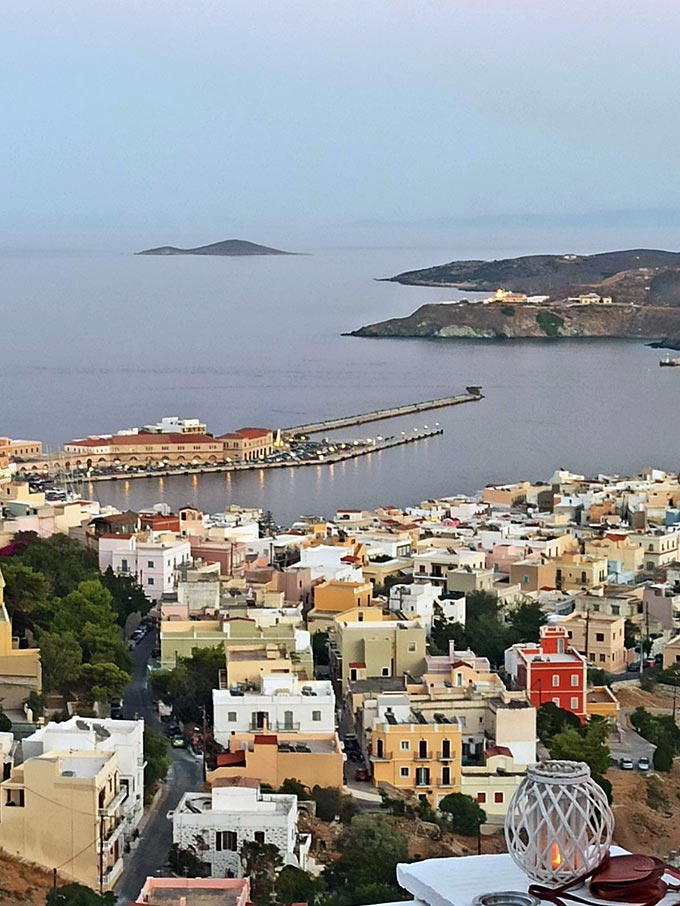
{"points": [[202, 120]]}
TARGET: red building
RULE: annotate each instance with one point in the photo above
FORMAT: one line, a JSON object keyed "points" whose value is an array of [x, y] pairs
{"points": [[551, 671]]}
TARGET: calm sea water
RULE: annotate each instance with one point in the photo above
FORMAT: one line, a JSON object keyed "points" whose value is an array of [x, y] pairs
{"points": [[99, 342]]}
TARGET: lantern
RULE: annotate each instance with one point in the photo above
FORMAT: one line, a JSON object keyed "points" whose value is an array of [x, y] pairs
{"points": [[558, 825]]}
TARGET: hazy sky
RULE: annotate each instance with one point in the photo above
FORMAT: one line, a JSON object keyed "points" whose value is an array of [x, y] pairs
{"points": [[159, 116]]}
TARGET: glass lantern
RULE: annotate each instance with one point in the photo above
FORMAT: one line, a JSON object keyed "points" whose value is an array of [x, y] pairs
{"points": [[559, 825]]}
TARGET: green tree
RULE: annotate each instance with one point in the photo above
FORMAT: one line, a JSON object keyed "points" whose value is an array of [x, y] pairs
{"points": [[186, 864], [663, 755], [78, 895], [62, 560], [61, 657], [296, 886], [464, 814], [25, 592], [525, 622], [320, 648], [294, 787], [587, 744], [261, 863], [550, 720], [5, 722], [103, 681], [127, 595], [596, 676], [370, 849], [156, 758], [191, 683]]}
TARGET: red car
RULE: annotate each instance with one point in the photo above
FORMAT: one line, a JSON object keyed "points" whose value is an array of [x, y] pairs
{"points": [[362, 774]]}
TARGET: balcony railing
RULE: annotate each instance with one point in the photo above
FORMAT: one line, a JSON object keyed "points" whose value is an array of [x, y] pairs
{"points": [[420, 756], [108, 810], [385, 756], [445, 756], [284, 726]]}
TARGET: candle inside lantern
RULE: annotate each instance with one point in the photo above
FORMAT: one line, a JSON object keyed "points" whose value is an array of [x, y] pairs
{"points": [[555, 857]]}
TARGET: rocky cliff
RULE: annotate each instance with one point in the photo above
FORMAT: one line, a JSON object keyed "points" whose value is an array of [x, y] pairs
{"points": [[511, 321]]}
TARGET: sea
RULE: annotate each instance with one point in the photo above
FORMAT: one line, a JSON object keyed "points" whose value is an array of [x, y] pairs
{"points": [[99, 341]]}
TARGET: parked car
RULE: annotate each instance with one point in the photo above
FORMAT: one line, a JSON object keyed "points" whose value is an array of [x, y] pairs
{"points": [[634, 667], [362, 774], [626, 764], [643, 763]]}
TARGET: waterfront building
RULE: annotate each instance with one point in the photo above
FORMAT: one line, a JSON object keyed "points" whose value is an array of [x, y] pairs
{"points": [[550, 671], [215, 825], [19, 450], [247, 444], [85, 734], [142, 451], [64, 809], [173, 425]]}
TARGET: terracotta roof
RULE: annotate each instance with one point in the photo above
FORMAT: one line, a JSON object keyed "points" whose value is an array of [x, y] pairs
{"points": [[253, 432], [498, 750], [116, 535], [130, 440], [357, 664], [265, 739], [227, 759]]}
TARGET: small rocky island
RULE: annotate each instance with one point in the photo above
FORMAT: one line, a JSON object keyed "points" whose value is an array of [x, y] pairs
{"points": [[624, 294], [228, 247]]}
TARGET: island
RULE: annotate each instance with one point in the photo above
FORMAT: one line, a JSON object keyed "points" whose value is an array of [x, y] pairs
{"points": [[623, 294], [228, 248]]}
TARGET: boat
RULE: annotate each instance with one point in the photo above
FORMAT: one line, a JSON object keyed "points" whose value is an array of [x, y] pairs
{"points": [[668, 362]]}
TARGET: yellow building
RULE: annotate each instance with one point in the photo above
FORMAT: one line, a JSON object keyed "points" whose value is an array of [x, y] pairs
{"points": [[335, 596], [63, 810], [313, 759], [601, 702], [419, 757], [576, 572], [671, 652], [20, 668], [618, 548], [600, 638], [364, 650]]}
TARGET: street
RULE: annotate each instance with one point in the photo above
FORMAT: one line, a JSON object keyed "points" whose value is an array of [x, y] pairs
{"points": [[151, 855]]}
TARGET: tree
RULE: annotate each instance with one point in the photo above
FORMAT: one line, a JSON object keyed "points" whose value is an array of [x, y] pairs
{"points": [[320, 648], [296, 886], [663, 755], [25, 592], [78, 895], [127, 595], [62, 560], [5, 722], [370, 849], [294, 787], [464, 814], [525, 622], [185, 862], [261, 863], [156, 758], [587, 744], [551, 720], [103, 681], [332, 803], [596, 676], [190, 684], [61, 657]]}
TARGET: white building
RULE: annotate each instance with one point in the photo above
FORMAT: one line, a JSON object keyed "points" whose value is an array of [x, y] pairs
{"points": [[329, 562], [150, 557], [85, 734], [215, 825], [421, 601], [283, 704], [434, 564], [172, 424]]}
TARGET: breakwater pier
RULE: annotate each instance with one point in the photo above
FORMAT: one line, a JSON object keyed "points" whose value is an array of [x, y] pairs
{"points": [[473, 395]]}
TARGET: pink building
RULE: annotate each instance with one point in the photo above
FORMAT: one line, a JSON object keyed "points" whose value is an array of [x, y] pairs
{"points": [[194, 892]]}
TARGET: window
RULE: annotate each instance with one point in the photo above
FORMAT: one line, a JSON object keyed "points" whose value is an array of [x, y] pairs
{"points": [[149, 564], [385, 671], [411, 646], [574, 704], [316, 715], [259, 836], [446, 776], [405, 745], [616, 610], [498, 798], [556, 701], [574, 679], [403, 772], [226, 841], [525, 580], [149, 581], [481, 798], [231, 717], [556, 679], [124, 565], [603, 658], [599, 636]]}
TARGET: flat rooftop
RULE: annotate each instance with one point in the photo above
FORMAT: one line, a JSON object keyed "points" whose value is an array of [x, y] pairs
{"points": [[193, 897]]}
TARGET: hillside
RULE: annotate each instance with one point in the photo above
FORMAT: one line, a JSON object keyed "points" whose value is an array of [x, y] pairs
{"points": [[640, 276], [228, 247], [23, 883], [499, 321]]}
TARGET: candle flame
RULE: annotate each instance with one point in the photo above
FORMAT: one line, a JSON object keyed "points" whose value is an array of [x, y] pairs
{"points": [[555, 857]]}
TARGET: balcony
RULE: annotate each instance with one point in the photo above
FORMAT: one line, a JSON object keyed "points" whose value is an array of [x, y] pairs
{"points": [[386, 756], [422, 756], [110, 809], [110, 836], [445, 756], [283, 726]]}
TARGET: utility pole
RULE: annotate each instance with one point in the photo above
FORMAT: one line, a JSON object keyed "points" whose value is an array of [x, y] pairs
{"points": [[101, 856]]}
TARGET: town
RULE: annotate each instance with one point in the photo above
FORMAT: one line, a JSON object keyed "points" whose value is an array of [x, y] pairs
{"points": [[209, 703]]}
